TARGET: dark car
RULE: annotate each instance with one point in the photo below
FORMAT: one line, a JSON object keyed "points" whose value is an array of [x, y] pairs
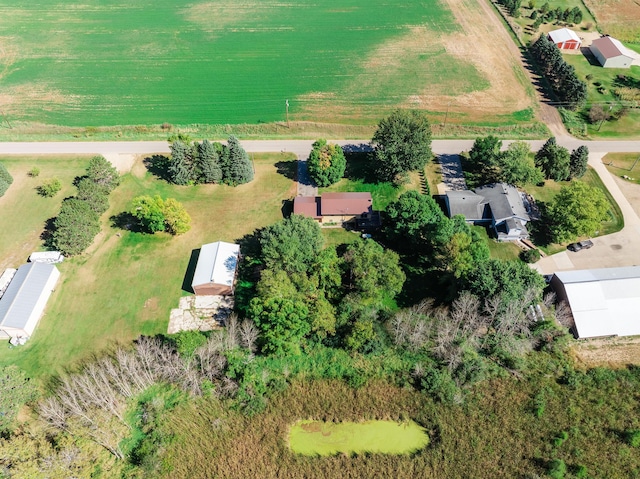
{"points": [[575, 247]]}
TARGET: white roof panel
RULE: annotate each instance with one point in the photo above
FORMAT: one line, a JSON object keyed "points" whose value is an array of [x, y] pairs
{"points": [[604, 302], [563, 34], [216, 264]]}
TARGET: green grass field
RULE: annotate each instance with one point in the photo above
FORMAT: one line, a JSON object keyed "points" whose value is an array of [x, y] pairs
{"points": [[148, 62], [126, 283], [317, 438], [624, 164], [600, 86]]}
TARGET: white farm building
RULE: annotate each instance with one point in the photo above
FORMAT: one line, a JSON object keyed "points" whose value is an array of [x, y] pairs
{"points": [[611, 53], [603, 302], [24, 301], [216, 269]]}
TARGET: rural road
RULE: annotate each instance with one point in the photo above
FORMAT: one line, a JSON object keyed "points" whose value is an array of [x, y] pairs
{"points": [[298, 147]]}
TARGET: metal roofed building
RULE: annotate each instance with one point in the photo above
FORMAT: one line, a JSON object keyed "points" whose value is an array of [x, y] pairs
{"points": [[215, 272], [611, 53], [24, 301], [603, 302], [565, 39]]}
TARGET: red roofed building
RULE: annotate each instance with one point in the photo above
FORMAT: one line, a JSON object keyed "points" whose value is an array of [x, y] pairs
{"points": [[335, 208], [565, 39]]}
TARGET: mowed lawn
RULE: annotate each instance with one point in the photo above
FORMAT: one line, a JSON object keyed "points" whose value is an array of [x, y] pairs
{"points": [[146, 62], [126, 283]]}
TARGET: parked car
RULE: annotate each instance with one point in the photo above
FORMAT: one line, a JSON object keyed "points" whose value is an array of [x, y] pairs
{"points": [[575, 247]]}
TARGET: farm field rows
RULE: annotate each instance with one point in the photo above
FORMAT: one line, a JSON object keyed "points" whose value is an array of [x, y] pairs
{"points": [[116, 63]]}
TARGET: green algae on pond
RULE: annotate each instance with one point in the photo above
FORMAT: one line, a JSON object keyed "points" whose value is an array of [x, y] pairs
{"points": [[312, 438]]}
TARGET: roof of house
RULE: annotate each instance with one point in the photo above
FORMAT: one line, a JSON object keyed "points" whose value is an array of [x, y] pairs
{"points": [[611, 48], [505, 201], [563, 35], [466, 203], [307, 206], [352, 203], [216, 264], [23, 293], [604, 302]]}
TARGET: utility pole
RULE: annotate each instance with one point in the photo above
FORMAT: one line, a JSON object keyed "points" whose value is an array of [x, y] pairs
{"points": [[446, 115], [286, 104], [603, 118]]}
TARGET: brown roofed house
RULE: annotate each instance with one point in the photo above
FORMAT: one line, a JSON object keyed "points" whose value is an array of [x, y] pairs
{"points": [[335, 208]]}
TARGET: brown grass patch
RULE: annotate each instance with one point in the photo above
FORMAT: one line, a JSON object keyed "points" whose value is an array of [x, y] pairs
{"points": [[31, 96], [608, 352], [619, 18]]}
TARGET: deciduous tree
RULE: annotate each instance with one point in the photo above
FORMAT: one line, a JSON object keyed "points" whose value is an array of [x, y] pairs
{"points": [[326, 163], [282, 322], [149, 211], [516, 167], [577, 210], [402, 143], [176, 219]]}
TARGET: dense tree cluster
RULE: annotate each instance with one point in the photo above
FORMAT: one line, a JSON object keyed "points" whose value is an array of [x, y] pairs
{"points": [[402, 143], [562, 77], [326, 163], [558, 164], [79, 219], [307, 293], [206, 162], [512, 6], [5, 179], [155, 214], [488, 164]]}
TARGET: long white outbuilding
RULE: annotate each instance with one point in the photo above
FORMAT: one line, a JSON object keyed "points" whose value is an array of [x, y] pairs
{"points": [[603, 302], [24, 301]]}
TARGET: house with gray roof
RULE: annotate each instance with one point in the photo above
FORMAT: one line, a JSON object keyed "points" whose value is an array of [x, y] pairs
{"points": [[499, 206], [25, 298]]}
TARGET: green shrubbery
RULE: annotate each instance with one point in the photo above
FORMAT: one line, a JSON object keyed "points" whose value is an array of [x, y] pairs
{"points": [[49, 188], [326, 163], [5, 179]]}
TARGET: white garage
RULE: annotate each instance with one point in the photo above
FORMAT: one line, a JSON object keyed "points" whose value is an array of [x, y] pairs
{"points": [[603, 302], [24, 301]]}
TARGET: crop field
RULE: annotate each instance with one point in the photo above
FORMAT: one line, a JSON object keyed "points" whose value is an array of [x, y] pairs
{"points": [[84, 63], [618, 18], [126, 283]]}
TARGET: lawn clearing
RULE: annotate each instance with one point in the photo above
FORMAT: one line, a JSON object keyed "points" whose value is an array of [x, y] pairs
{"points": [[311, 438], [601, 84], [126, 283], [24, 212], [499, 249], [221, 62]]}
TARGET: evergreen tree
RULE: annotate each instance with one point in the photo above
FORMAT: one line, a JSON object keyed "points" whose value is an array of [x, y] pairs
{"points": [[553, 160], [179, 166], [103, 173], [239, 167], [75, 226], [208, 160], [578, 161], [577, 15]]}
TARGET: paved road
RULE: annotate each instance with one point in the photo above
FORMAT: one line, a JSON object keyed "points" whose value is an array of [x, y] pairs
{"points": [[298, 147]]}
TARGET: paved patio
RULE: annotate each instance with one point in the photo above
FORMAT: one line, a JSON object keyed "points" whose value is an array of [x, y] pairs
{"points": [[200, 313]]}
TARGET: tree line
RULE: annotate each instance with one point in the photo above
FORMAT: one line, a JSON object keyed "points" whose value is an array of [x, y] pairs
{"points": [[206, 162], [562, 77], [79, 219]]}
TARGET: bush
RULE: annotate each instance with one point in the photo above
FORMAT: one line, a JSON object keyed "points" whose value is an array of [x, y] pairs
{"points": [[530, 255], [633, 437], [4, 186], [557, 469], [34, 172], [50, 187], [581, 472], [5, 175]]}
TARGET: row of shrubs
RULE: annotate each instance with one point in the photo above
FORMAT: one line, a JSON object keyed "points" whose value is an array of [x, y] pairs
{"points": [[79, 219]]}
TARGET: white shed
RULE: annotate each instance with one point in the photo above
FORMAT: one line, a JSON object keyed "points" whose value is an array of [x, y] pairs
{"points": [[603, 302], [24, 301], [216, 269], [611, 53]]}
